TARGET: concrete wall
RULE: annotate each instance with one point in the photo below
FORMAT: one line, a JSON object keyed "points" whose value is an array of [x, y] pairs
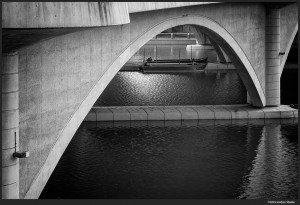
{"points": [[10, 126], [63, 14], [288, 30], [55, 77], [134, 7], [61, 78]]}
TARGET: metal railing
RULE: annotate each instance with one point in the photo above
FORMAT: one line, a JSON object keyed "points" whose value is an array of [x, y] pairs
{"points": [[175, 36]]}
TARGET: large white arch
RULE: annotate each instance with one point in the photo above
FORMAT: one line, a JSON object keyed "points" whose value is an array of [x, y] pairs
{"points": [[247, 73]]}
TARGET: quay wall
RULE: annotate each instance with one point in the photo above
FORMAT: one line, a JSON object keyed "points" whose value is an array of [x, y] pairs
{"points": [[204, 112]]}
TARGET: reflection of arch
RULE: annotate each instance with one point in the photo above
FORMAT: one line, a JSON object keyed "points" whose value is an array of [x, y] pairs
{"points": [[288, 48], [227, 43]]}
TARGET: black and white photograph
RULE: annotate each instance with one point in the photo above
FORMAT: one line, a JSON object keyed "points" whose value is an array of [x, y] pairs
{"points": [[150, 100]]}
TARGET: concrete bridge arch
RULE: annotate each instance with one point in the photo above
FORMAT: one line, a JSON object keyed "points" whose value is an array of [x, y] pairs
{"points": [[288, 48], [215, 30], [226, 41]]}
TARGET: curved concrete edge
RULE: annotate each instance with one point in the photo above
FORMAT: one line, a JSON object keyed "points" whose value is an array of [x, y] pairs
{"points": [[247, 72], [242, 64], [204, 112], [287, 50], [65, 136], [219, 51]]}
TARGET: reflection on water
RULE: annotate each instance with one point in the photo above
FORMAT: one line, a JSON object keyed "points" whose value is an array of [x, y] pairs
{"points": [[198, 88], [179, 159], [274, 168]]}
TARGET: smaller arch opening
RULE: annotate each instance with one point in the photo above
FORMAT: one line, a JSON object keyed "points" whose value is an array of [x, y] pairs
{"points": [[218, 84]]}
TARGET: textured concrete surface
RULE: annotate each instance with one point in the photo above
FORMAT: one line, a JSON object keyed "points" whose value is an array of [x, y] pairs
{"points": [[137, 114], [55, 77], [171, 123], [288, 30], [10, 126], [154, 113], [120, 114], [187, 113], [63, 14], [214, 112], [25, 23], [148, 6], [272, 89]]}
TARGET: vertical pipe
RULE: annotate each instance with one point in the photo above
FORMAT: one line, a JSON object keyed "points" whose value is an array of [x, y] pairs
{"points": [[10, 126], [272, 73], [156, 52], [179, 55]]}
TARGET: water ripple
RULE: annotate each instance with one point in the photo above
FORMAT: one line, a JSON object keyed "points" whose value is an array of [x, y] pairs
{"points": [[136, 89], [196, 160]]}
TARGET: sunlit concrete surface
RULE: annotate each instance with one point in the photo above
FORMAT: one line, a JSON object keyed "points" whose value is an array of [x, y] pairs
{"points": [[214, 112]]}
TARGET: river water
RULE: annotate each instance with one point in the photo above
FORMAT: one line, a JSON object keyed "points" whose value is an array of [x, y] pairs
{"points": [[205, 159]]}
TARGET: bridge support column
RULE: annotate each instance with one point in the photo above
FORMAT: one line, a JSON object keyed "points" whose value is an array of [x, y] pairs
{"points": [[10, 126], [272, 58]]}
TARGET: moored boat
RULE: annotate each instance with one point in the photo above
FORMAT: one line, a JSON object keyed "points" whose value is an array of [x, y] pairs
{"points": [[173, 65], [295, 106]]}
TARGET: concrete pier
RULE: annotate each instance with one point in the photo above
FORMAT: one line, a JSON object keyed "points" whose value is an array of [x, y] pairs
{"points": [[273, 58], [10, 126], [201, 112]]}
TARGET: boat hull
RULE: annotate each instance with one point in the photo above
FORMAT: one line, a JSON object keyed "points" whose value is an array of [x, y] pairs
{"points": [[169, 67], [163, 66]]}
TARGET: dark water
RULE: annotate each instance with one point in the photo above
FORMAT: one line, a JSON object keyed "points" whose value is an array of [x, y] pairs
{"points": [[199, 88], [188, 159]]}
